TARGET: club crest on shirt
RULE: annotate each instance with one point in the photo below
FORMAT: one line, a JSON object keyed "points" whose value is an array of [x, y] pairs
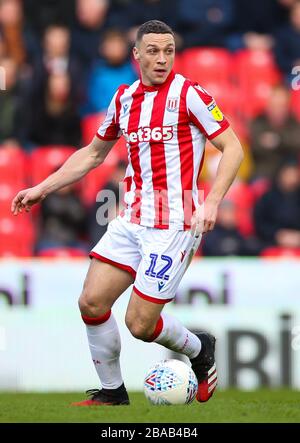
{"points": [[172, 104], [215, 111]]}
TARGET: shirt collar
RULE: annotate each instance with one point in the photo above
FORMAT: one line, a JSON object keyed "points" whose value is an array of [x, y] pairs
{"points": [[169, 79]]}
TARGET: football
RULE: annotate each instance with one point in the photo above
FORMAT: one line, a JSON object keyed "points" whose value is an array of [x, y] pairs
{"points": [[170, 382]]}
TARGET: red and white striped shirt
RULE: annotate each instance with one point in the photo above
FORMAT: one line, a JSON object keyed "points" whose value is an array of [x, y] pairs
{"points": [[166, 127]]}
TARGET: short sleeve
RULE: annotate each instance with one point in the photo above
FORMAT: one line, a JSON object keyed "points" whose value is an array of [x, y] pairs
{"points": [[204, 112], [110, 129]]}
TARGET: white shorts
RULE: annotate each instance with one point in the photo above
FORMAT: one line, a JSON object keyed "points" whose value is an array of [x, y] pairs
{"points": [[156, 258]]}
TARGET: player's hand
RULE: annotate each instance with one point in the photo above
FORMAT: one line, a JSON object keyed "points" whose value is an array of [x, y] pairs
{"points": [[25, 199], [204, 218]]}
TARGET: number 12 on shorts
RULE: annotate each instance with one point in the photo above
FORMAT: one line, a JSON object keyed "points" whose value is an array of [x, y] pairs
{"points": [[162, 273]]}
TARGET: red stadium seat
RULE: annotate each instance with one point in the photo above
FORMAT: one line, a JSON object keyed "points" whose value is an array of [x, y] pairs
{"points": [[256, 73], [280, 252], [256, 66], [13, 164], [242, 196], [90, 125], [254, 98], [16, 233], [62, 252], [207, 65], [96, 179], [46, 159], [16, 236], [7, 193]]}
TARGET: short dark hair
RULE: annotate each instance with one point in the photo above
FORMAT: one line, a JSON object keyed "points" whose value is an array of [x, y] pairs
{"points": [[153, 27]]}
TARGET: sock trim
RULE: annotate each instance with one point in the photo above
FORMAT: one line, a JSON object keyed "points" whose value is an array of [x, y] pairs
{"points": [[158, 328], [94, 321]]}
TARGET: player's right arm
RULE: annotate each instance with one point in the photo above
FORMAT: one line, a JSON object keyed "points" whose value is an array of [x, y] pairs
{"points": [[75, 168]]}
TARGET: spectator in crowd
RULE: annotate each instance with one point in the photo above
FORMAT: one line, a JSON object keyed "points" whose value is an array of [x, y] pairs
{"points": [[287, 48], [204, 24], [106, 207], [57, 58], [20, 43], [254, 23], [120, 13], [91, 23], [62, 221], [140, 11], [112, 68], [275, 135], [40, 14], [277, 212], [55, 119], [225, 239], [11, 105]]}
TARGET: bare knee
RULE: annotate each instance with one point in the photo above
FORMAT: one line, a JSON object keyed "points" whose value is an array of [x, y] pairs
{"points": [[103, 285], [139, 328], [89, 304]]}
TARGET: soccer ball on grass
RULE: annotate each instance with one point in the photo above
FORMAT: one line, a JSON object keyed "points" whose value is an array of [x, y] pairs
{"points": [[170, 382]]}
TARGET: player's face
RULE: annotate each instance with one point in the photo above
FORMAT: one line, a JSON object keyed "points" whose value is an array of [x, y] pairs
{"points": [[155, 54]]}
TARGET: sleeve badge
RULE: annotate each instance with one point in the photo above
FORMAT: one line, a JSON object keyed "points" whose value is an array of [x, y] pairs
{"points": [[215, 111]]}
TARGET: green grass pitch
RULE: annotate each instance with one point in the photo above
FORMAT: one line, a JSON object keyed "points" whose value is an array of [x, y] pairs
{"points": [[227, 406]]}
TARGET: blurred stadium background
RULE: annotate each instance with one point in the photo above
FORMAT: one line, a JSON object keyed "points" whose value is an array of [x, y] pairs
{"points": [[60, 64]]}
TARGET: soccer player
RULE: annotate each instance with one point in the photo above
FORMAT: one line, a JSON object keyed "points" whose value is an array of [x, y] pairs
{"points": [[165, 119]]}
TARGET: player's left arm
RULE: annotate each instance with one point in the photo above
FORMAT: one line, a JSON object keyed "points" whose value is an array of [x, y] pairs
{"points": [[232, 157]]}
